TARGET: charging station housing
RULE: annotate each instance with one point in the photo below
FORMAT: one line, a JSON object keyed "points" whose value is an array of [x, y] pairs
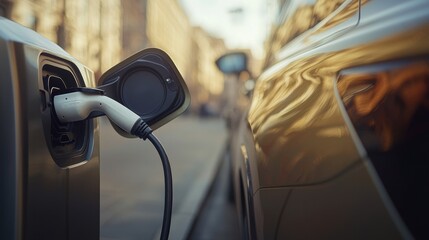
{"points": [[49, 172]]}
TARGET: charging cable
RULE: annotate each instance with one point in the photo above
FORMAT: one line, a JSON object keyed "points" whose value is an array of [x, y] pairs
{"points": [[78, 104]]}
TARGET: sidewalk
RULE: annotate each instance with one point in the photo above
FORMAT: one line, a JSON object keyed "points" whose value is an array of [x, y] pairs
{"points": [[132, 187]]}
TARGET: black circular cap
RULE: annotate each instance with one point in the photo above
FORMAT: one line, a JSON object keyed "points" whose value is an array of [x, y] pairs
{"points": [[143, 92]]}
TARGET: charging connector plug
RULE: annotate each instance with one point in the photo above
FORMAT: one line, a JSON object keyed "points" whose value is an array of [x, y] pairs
{"points": [[78, 104]]}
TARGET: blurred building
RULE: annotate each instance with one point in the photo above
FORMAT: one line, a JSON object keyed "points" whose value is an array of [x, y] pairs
{"points": [[134, 27], [169, 29], [101, 33], [93, 30], [43, 16], [89, 30], [206, 49]]}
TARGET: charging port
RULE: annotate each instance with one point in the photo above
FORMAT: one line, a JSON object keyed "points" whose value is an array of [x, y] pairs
{"points": [[68, 143]]}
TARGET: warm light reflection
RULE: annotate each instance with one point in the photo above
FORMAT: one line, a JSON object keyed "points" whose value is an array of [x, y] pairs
{"points": [[385, 103], [296, 106], [306, 16], [350, 8]]}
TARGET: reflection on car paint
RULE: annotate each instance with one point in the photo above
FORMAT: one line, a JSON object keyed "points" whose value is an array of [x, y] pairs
{"points": [[326, 14], [343, 12], [382, 105], [388, 104], [297, 105]]}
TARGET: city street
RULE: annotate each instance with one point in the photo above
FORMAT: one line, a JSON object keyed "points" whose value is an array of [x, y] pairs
{"points": [[132, 183]]}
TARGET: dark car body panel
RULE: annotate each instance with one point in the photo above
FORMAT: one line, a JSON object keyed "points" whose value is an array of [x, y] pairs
{"points": [[328, 210], [39, 199]]}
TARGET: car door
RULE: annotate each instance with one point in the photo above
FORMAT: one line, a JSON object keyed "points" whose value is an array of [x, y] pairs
{"points": [[301, 27], [309, 163]]}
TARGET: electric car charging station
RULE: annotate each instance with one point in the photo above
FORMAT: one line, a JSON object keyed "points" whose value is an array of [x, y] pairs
{"points": [[50, 146]]}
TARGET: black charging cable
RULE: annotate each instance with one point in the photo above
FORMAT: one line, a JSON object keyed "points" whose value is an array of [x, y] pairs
{"points": [[143, 131], [78, 104], [168, 201]]}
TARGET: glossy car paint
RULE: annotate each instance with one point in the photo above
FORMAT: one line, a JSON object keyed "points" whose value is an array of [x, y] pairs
{"points": [[39, 199], [301, 170]]}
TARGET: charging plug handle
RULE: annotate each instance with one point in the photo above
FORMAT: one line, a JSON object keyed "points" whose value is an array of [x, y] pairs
{"points": [[80, 105]]}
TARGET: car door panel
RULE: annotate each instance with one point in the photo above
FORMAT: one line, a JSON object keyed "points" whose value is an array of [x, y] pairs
{"points": [[307, 152], [348, 207], [294, 103]]}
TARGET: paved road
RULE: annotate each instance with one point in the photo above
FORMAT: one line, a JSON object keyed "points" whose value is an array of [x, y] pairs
{"points": [[132, 185], [218, 217]]}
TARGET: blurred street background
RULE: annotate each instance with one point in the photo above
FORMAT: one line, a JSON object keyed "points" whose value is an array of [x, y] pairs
{"points": [[194, 33], [102, 33]]}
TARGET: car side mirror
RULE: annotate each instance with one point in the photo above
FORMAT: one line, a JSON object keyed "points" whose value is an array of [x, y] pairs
{"points": [[149, 84], [232, 63]]}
